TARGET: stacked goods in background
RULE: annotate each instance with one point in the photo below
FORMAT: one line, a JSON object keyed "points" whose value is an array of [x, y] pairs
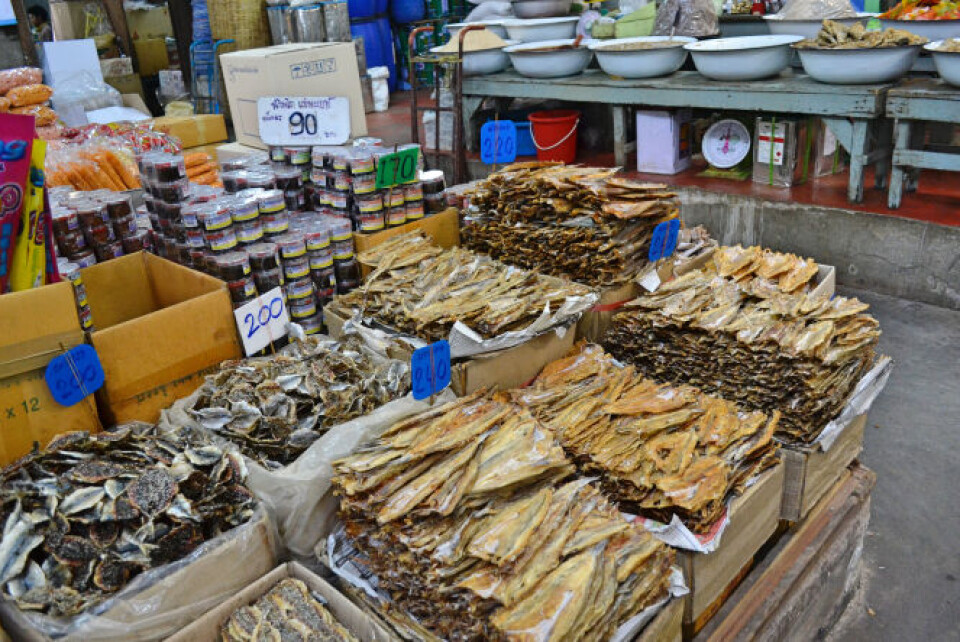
{"points": [[750, 327], [464, 509], [579, 223], [660, 450]]}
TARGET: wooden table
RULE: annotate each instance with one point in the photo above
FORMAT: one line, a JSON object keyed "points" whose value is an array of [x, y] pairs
{"points": [[855, 113], [914, 103]]}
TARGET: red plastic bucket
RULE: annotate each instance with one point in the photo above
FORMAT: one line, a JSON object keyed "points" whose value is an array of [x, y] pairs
{"points": [[554, 134]]}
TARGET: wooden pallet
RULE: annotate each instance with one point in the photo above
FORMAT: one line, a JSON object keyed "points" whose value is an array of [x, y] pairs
{"points": [[800, 587]]}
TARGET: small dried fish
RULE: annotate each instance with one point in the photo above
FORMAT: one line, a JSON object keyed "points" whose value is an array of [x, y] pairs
{"points": [[836, 35]]}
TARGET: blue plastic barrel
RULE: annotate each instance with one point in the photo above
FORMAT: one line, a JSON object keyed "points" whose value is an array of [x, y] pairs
{"points": [[378, 44], [359, 9], [404, 11]]}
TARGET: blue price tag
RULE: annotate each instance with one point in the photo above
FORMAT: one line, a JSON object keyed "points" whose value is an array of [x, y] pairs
{"points": [[430, 368], [74, 375], [498, 142], [664, 241]]}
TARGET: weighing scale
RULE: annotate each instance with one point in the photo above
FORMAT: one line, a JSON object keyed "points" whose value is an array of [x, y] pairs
{"points": [[726, 146]]}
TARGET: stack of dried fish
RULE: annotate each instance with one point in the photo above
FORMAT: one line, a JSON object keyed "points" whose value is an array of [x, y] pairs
{"points": [[89, 513], [465, 517], [274, 407], [766, 342], [288, 611], [764, 273], [426, 298], [836, 35], [659, 450], [580, 223]]}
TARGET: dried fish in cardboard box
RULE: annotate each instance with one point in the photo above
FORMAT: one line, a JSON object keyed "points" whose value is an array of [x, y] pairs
{"points": [[424, 298], [273, 408], [751, 329], [86, 515], [580, 223], [470, 519], [660, 450], [288, 611]]}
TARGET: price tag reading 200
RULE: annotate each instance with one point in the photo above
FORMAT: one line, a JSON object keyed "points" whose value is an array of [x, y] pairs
{"points": [[303, 121], [262, 321], [397, 168]]}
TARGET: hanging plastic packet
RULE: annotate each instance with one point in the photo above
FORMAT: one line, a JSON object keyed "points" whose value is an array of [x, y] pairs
{"points": [[29, 266]]}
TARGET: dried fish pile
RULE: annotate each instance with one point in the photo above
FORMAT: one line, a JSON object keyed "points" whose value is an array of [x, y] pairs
{"points": [[273, 408], [751, 342], [288, 611], [86, 515], [764, 273], [425, 298], [660, 450], [579, 223], [468, 520], [836, 35]]}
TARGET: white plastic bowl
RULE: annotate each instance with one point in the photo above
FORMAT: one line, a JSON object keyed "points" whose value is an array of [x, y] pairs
{"points": [[807, 28], [541, 29], [485, 61], [549, 64], [541, 8], [858, 66], [641, 63], [743, 58], [946, 62], [496, 26], [930, 29]]}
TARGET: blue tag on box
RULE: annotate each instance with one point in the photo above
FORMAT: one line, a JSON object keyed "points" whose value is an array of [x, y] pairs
{"points": [[74, 375], [430, 369]]}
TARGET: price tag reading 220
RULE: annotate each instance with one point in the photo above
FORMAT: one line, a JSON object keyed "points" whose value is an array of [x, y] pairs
{"points": [[397, 168]]}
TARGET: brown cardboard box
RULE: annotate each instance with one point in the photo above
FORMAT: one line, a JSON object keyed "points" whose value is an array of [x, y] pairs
{"points": [[510, 368], [160, 328], [442, 228], [152, 22], [36, 326], [666, 626], [67, 19], [810, 472], [129, 84], [199, 129], [711, 577], [174, 600], [303, 69], [151, 55], [112, 67], [209, 150], [231, 151], [363, 627], [595, 321]]}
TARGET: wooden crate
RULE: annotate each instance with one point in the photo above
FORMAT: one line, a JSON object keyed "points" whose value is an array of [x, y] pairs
{"points": [[810, 472], [711, 577], [443, 228], [800, 588]]}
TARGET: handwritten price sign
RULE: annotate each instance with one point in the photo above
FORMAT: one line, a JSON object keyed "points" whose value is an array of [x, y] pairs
{"points": [[397, 168], [498, 142], [304, 120], [74, 375], [430, 369], [262, 321]]}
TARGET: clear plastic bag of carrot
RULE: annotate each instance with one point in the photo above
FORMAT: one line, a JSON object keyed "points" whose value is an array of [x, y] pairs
{"points": [[91, 168]]}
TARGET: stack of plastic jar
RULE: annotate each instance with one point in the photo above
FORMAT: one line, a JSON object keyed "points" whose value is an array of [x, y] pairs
{"points": [[345, 267], [234, 268], [71, 272], [89, 227]]}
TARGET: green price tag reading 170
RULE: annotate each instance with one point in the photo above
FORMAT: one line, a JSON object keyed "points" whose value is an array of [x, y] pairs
{"points": [[397, 168]]}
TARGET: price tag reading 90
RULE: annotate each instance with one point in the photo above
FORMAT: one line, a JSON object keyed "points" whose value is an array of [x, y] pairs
{"points": [[303, 121]]}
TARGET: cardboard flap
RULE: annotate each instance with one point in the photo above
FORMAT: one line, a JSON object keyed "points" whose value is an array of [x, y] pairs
{"points": [[37, 352], [119, 290], [172, 283]]}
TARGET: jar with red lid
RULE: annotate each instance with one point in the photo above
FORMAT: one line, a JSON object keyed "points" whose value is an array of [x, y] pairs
{"points": [[263, 256], [268, 279], [168, 169], [107, 251], [342, 182], [244, 209], [222, 240], [233, 266], [172, 192], [312, 325], [302, 308], [396, 216], [261, 180], [370, 209], [364, 183], [100, 234], [84, 258], [118, 206], [316, 236], [195, 237], [65, 221], [190, 214], [71, 242], [288, 178], [299, 289], [413, 192], [341, 239], [339, 200], [216, 215], [394, 198], [325, 283], [295, 199], [414, 210], [135, 242], [270, 201], [125, 226], [234, 181], [242, 291], [347, 273], [91, 213], [249, 232], [296, 268]]}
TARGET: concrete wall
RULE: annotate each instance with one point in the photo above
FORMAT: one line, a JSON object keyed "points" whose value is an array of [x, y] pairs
{"points": [[887, 254], [10, 53]]}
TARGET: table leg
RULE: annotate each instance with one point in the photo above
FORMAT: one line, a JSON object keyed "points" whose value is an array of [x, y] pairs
{"points": [[901, 142], [858, 158], [917, 137], [882, 144], [619, 113]]}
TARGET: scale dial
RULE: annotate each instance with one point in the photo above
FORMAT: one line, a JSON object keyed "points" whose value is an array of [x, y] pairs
{"points": [[726, 143]]}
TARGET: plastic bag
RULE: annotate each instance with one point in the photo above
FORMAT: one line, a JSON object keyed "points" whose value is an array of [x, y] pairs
{"points": [[29, 95], [42, 114], [695, 18], [10, 78], [4, 105], [492, 10], [163, 600], [817, 10], [86, 91]]}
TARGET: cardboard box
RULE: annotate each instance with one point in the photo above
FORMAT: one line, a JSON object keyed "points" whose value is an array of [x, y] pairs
{"points": [[129, 84], [504, 369], [781, 151], [810, 472], [149, 22], [160, 328], [711, 577], [199, 129], [664, 140], [135, 101], [442, 228], [36, 326], [210, 150], [304, 69], [67, 19], [112, 67], [231, 151], [667, 626], [363, 627], [174, 600], [595, 321], [151, 55]]}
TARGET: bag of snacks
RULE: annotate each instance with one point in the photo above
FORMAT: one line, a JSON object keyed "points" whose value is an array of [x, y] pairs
{"points": [[10, 78], [42, 114], [29, 95]]}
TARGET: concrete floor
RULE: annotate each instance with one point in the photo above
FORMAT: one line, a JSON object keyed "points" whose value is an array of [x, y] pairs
{"points": [[911, 561]]}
